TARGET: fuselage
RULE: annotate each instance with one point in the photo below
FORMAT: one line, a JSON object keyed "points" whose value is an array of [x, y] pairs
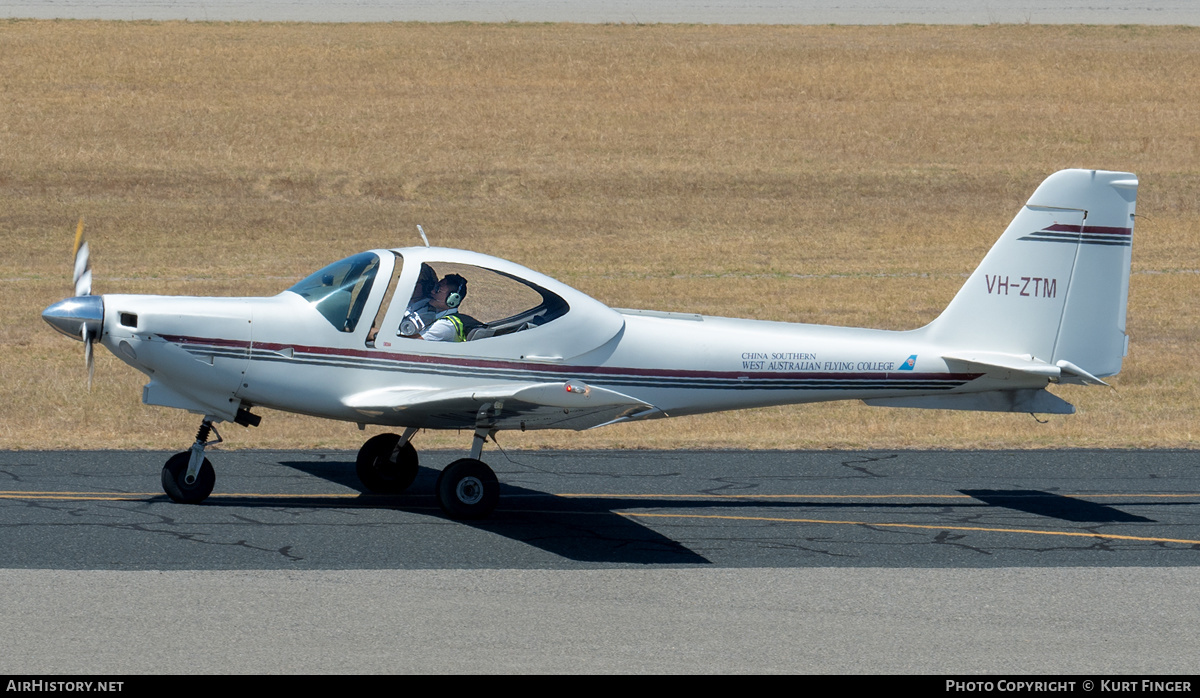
{"points": [[214, 355]]}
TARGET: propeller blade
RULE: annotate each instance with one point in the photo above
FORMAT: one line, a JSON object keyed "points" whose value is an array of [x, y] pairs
{"points": [[78, 316], [89, 355], [83, 266]]}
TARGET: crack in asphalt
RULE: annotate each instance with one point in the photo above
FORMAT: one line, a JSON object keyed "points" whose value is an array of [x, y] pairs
{"points": [[12, 476], [868, 459], [190, 537], [950, 538], [776, 544], [732, 483], [76, 510]]}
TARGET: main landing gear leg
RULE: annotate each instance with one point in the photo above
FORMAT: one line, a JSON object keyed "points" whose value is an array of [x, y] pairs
{"points": [[387, 464], [467, 488], [188, 477]]}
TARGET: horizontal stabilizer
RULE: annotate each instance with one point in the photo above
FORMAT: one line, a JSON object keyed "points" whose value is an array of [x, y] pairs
{"points": [[1074, 374], [1032, 400], [1062, 371], [987, 362]]}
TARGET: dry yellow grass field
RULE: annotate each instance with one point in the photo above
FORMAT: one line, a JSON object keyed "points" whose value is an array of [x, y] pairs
{"points": [[836, 175]]}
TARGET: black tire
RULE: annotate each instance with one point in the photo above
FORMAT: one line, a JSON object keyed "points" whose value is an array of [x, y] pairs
{"points": [[180, 491], [468, 489], [377, 471]]}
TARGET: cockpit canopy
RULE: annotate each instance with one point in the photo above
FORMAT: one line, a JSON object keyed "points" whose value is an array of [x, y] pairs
{"points": [[506, 312], [494, 303]]}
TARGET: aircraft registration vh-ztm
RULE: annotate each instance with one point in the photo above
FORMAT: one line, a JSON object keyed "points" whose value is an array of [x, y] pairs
{"points": [[355, 342]]}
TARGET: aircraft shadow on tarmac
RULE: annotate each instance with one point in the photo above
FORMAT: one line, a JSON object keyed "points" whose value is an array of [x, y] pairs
{"points": [[1055, 506], [586, 530], [590, 529]]}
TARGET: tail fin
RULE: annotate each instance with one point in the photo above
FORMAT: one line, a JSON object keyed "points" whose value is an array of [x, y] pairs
{"points": [[1056, 284]]}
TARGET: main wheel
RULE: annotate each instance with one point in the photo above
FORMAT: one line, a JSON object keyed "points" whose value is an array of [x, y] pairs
{"points": [[468, 489], [377, 471], [173, 480]]}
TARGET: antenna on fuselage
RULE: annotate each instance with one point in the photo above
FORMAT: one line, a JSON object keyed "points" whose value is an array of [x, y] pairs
{"points": [[422, 232]]}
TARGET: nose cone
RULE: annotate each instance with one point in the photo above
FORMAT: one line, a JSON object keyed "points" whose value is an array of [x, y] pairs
{"points": [[72, 315]]}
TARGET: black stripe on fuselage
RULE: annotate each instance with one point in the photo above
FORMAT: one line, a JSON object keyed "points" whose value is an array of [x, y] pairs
{"points": [[601, 375]]}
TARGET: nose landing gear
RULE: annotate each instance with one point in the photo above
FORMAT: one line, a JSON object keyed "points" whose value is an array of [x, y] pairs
{"points": [[188, 477]]}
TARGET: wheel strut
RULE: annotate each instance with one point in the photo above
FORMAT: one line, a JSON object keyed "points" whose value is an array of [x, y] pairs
{"points": [[485, 426], [481, 436], [196, 452], [404, 439], [188, 477]]}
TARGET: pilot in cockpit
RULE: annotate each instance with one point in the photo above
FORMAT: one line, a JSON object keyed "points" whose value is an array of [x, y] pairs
{"points": [[418, 314], [436, 318], [425, 283]]}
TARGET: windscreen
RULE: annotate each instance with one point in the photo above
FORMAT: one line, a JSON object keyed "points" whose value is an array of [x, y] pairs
{"points": [[340, 290]]}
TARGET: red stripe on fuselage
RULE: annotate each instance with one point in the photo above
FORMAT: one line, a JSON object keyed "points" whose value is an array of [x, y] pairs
{"points": [[547, 368]]}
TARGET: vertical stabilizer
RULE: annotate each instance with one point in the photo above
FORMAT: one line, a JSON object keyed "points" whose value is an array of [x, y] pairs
{"points": [[1056, 284]]}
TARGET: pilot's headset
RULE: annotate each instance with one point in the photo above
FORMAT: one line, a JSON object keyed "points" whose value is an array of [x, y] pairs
{"points": [[457, 292]]}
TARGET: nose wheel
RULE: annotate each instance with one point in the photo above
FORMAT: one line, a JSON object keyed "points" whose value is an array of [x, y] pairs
{"points": [[188, 477], [176, 483]]}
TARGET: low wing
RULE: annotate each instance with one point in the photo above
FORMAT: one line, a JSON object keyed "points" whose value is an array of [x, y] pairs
{"points": [[562, 405]]}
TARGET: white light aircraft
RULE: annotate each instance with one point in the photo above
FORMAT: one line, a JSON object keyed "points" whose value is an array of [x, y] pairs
{"points": [[1046, 305]]}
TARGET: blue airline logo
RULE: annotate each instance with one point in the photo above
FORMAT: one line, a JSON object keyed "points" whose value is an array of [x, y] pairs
{"points": [[909, 363]]}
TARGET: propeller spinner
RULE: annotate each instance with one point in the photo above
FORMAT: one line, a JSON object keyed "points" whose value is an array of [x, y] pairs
{"points": [[80, 317]]}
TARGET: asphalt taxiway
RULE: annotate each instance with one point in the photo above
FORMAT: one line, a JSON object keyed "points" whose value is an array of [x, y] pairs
{"points": [[1032, 561], [574, 510]]}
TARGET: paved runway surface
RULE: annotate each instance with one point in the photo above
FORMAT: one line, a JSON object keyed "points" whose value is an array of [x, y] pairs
{"points": [[625, 11], [1071, 561]]}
